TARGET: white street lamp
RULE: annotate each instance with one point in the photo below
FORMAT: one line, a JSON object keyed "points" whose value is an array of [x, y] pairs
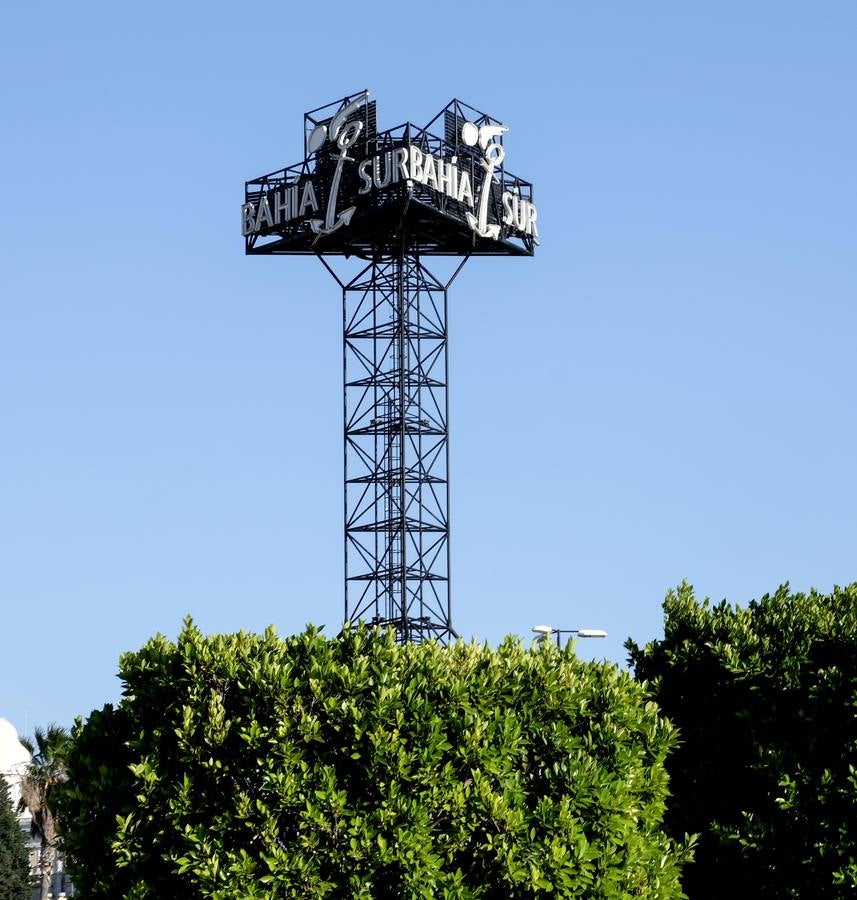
{"points": [[545, 632]]}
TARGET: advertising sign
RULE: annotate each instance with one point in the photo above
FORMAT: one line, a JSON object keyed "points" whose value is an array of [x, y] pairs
{"points": [[358, 190]]}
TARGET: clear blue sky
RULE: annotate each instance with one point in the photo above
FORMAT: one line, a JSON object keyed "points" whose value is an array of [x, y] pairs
{"points": [[665, 391]]}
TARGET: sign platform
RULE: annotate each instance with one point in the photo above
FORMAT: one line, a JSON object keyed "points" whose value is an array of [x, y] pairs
{"points": [[358, 190]]}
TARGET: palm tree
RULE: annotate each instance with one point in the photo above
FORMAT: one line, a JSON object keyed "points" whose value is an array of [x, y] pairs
{"points": [[45, 771]]}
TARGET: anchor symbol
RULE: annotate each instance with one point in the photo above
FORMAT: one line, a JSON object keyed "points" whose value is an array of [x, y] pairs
{"points": [[471, 134], [344, 138]]}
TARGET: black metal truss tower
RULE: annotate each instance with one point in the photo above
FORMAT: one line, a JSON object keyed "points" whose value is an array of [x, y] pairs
{"points": [[396, 460], [391, 199]]}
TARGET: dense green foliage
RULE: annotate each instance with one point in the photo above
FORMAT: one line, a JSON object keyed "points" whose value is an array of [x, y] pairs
{"points": [[14, 863], [765, 699], [254, 766]]}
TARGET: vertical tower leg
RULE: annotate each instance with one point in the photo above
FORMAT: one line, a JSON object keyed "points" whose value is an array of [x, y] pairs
{"points": [[397, 449]]}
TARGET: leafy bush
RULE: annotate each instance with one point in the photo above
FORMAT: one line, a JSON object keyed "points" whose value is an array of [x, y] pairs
{"points": [[765, 699], [14, 859], [252, 766]]}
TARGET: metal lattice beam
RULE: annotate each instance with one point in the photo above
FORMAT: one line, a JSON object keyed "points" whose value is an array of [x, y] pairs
{"points": [[396, 432]]}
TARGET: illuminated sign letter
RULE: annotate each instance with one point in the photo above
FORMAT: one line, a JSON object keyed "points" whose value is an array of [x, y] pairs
{"points": [[465, 191], [282, 207], [263, 216], [308, 199], [248, 218], [388, 170], [400, 166], [365, 177], [430, 172], [416, 164]]}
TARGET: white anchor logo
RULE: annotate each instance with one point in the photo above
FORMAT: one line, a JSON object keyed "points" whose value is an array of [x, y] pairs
{"points": [[472, 134], [344, 137]]}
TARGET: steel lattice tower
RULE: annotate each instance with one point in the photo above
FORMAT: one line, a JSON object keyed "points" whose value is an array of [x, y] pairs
{"points": [[391, 199], [397, 448]]}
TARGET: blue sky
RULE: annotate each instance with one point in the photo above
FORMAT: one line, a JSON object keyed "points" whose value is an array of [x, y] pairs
{"points": [[665, 391]]}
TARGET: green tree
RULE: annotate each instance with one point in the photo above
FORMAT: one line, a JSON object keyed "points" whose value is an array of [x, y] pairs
{"points": [[38, 790], [14, 861], [765, 700], [252, 766]]}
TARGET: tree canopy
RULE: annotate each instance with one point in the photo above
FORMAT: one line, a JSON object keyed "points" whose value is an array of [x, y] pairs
{"points": [[14, 861], [254, 766], [38, 790], [765, 700]]}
